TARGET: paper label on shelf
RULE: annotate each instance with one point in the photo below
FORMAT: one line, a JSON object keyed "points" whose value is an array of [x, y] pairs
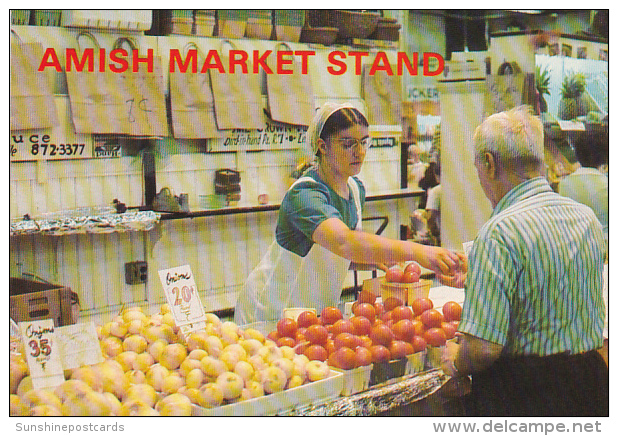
{"points": [[571, 125], [79, 345], [42, 353], [273, 137], [183, 298]]}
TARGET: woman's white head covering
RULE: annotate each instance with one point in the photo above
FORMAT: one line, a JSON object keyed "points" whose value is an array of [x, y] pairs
{"points": [[317, 124]]}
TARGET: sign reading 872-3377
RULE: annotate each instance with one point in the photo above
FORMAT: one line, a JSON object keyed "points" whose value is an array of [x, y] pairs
{"points": [[183, 298]]}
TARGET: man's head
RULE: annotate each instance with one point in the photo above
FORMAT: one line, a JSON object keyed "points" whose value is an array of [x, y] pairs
{"points": [[508, 150]]}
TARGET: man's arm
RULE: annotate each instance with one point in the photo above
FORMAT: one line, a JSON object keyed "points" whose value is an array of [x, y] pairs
{"points": [[471, 354]]}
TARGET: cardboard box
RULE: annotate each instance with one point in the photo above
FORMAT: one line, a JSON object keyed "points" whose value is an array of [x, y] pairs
{"points": [[30, 300]]}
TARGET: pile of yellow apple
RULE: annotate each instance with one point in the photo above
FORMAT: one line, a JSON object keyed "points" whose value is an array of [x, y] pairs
{"points": [[151, 370]]}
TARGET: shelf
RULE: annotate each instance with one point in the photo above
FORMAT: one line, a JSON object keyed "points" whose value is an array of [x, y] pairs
{"points": [[385, 195]]}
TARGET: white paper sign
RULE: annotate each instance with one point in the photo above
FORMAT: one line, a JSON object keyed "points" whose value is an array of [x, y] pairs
{"points": [[183, 298], [571, 125], [42, 353], [467, 246], [79, 345]]}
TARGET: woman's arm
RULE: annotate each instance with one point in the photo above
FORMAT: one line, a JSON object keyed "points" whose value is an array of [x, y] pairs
{"points": [[362, 247]]}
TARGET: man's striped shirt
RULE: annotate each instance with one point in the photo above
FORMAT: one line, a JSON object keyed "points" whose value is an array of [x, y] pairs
{"points": [[534, 282]]}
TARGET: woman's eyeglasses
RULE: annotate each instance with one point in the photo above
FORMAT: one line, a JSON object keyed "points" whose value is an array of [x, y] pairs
{"points": [[348, 143]]}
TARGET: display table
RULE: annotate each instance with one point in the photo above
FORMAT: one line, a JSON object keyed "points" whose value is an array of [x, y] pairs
{"points": [[380, 399]]}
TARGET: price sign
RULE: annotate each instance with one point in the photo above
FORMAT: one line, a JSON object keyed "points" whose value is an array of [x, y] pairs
{"points": [[273, 137], [79, 345], [42, 353], [183, 298], [59, 142]]}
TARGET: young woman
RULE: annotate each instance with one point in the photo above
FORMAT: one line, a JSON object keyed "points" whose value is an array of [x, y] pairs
{"points": [[318, 231]]}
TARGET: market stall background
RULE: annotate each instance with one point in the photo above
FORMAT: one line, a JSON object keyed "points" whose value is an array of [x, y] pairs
{"points": [[222, 249]]}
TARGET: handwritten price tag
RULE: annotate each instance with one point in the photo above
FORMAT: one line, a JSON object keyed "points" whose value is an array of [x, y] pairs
{"points": [[79, 345], [183, 298], [42, 353]]}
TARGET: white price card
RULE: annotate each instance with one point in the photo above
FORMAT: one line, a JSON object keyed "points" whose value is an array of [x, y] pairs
{"points": [[183, 298], [79, 345], [42, 353], [467, 246], [571, 125]]}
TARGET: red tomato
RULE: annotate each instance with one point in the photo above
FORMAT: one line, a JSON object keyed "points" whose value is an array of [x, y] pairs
{"points": [[363, 356], [391, 302], [344, 358], [404, 330], [455, 324], [287, 327], [413, 267], [306, 319], [316, 352], [300, 334], [343, 326], [451, 311], [365, 341], [347, 340], [419, 343], [399, 349], [362, 326], [435, 337], [330, 346], [330, 315], [379, 308], [420, 305], [317, 334], [286, 341], [409, 348], [410, 277], [419, 327], [432, 318], [402, 312], [381, 335], [394, 275], [366, 297], [301, 347], [273, 336], [379, 353], [449, 330], [387, 316], [366, 310], [390, 323]]}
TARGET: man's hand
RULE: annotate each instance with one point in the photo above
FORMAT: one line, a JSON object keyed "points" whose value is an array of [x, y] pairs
{"points": [[449, 354], [458, 278]]}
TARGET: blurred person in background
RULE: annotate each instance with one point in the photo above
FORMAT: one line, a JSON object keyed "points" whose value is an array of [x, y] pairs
{"points": [[587, 184]]}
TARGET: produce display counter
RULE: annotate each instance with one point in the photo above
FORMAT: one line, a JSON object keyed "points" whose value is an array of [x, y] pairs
{"points": [[394, 395]]}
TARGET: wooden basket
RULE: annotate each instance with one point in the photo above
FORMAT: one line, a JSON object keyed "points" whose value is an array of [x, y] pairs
{"points": [[406, 292]]}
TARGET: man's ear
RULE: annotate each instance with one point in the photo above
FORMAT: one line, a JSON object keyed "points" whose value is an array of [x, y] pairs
{"points": [[490, 165]]}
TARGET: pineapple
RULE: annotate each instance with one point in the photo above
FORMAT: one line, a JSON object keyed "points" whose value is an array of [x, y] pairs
{"points": [[571, 104], [542, 86]]}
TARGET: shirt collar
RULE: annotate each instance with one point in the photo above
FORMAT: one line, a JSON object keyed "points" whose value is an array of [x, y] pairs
{"points": [[521, 192]]}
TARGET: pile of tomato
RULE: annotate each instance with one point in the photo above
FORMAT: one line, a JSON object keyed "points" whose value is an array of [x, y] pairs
{"points": [[377, 331]]}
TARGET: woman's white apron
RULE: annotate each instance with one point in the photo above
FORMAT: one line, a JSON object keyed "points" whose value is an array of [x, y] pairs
{"points": [[284, 279]]}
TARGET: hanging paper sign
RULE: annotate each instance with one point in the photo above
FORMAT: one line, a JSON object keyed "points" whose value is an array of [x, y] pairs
{"points": [[183, 298], [42, 353], [79, 345]]}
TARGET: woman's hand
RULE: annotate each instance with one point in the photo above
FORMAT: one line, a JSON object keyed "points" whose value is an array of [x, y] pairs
{"points": [[458, 278], [438, 259]]}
